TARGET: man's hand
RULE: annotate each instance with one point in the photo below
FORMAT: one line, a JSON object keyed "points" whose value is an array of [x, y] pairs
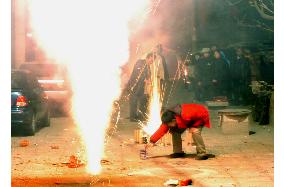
{"points": [[148, 145]]}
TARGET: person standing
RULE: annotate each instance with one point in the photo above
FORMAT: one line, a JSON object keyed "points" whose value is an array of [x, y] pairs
{"points": [[138, 88], [204, 71], [240, 78], [161, 70], [220, 75]]}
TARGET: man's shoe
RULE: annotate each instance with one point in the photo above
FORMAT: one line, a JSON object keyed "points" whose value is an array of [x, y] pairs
{"points": [[177, 155], [201, 157]]}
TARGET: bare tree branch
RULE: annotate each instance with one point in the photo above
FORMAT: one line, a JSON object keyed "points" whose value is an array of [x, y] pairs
{"points": [[261, 8]]}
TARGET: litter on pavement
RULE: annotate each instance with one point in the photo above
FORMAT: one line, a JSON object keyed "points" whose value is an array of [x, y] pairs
{"points": [[74, 162], [24, 143]]}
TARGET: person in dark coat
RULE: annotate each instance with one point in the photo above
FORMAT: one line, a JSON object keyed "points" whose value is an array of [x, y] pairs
{"points": [[240, 78], [176, 120], [220, 75], [204, 72], [138, 98]]}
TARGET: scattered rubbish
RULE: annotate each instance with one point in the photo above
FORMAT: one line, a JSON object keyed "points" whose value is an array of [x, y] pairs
{"points": [[171, 182], [54, 147], [175, 182], [24, 143], [103, 161], [185, 182], [74, 162], [59, 164], [251, 132]]}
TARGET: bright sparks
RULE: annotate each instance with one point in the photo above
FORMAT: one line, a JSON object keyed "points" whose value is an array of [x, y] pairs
{"points": [[91, 37], [155, 103]]}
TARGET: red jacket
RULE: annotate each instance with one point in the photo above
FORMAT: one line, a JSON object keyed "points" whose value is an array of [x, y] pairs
{"points": [[191, 115]]}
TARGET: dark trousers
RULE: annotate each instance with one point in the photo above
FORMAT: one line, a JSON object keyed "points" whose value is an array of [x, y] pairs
{"points": [[219, 89], [196, 136], [138, 106], [240, 92], [260, 112], [203, 91]]}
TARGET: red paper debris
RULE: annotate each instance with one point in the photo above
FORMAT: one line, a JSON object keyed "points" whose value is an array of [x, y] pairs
{"points": [[74, 162], [24, 143], [54, 147], [185, 182]]}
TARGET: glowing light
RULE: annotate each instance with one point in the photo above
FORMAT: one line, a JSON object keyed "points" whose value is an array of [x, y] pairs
{"points": [[91, 38], [155, 104], [51, 81]]}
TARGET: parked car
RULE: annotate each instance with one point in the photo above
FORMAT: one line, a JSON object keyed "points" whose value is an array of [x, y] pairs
{"points": [[29, 103], [54, 80]]}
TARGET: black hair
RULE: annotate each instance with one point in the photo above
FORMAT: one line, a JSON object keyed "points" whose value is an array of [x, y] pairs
{"points": [[167, 116], [149, 55]]}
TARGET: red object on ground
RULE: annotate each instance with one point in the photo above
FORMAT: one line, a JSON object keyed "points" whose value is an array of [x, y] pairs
{"points": [[24, 143], [185, 182], [74, 162]]}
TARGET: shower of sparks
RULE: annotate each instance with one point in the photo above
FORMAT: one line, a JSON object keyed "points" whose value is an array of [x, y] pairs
{"points": [[91, 38]]}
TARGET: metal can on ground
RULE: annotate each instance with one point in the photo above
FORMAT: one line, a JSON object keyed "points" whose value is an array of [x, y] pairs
{"points": [[143, 154]]}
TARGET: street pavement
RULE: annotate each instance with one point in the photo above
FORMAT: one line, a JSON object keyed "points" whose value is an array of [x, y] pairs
{"points": [[241, 160]]}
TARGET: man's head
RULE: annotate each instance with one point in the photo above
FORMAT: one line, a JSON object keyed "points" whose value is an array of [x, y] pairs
{"points": [[205, 52], [214, 48], [239, 51], [168, 117], [150, 58], [217, 55]]}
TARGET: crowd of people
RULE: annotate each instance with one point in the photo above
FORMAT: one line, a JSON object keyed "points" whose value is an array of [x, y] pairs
{"points": [[228, 73], [217, 74], [214, 73]]}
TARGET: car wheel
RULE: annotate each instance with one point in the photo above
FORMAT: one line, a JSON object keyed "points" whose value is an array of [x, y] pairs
{"points": [[46, 119], [32, 127]]}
